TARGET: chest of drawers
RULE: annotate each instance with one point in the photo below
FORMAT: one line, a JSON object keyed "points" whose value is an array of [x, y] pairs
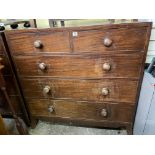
{"points": [[83, 75]]}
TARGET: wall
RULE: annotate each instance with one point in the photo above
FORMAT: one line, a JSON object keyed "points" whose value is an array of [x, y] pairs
{"points": [[151, 49]]}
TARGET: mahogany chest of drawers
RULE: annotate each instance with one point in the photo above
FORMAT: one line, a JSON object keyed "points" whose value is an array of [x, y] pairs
{"points": [[83, 75]]}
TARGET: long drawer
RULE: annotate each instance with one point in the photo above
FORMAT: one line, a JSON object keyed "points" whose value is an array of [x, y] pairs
{"points": [[100, 90], [81, 110], [82, 66]]}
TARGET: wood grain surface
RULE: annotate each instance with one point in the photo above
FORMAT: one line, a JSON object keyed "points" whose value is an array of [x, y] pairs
{"points": [[51, 42], [119, 90], [122, 39], [81, 110], [80, 66]]}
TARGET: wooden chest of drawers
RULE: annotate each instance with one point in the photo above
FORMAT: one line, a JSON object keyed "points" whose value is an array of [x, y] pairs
{"points": [[83, 75], [11, 84]]}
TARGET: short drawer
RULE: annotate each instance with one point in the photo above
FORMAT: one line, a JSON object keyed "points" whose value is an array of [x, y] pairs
{"points": [[98, 90], [35, 41], [110, 40], [80, 66], [81, 110]]}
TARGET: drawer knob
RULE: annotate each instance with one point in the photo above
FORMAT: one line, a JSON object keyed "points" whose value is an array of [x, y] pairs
{"points": [[38, 44], [46, 89], [106, 66], [107, 42], [42, 66], [105, 91], [104, 113], [50, 109]]}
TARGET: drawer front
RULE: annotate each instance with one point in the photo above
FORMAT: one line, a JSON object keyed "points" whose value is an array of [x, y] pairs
{"points": [[38, 41], [82, 66], [81, 110], [110, 40], [99, 90]]}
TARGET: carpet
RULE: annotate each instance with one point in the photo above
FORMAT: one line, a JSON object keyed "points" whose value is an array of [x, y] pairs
{"points": [[46, 128]]}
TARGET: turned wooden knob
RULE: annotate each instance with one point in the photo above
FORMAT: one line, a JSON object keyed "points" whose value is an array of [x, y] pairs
{"points": [[42, 66], [106, 66], [104, 113], [50, 109], [46, 89], [107, 42], [38, 44], [105, 91]]}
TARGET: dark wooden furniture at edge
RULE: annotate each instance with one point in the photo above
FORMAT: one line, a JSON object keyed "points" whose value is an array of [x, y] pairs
{"points": [[19, 126], [12, 86]]}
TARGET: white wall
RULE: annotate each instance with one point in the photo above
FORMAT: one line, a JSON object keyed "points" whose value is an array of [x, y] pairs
{"points": [[151, 48]]}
